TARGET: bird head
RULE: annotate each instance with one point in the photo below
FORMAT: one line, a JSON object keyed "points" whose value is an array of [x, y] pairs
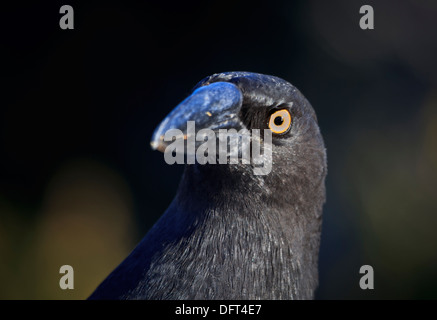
{"points": [[234, 232], [291, 146]]}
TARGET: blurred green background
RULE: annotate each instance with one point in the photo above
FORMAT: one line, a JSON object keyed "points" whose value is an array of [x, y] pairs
{"points": [[79, 184]]}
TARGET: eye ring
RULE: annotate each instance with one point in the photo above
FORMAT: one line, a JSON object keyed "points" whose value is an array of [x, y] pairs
{"points": [[280, 121]]}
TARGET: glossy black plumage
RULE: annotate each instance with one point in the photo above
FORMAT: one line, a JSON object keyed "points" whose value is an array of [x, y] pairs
{"points": [[230, 234]]}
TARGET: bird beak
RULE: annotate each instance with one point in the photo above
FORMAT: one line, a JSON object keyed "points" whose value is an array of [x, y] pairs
{"points": [[214, 107]]}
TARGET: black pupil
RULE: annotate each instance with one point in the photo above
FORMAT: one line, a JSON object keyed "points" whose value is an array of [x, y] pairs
{"points": [[278, 120]]}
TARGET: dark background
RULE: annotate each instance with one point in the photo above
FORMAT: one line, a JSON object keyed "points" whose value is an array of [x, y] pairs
{"points": [[79, 184]]}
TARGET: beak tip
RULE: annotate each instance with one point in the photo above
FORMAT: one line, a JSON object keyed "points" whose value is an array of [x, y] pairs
{"points": [[157, 144], [154, 145]]}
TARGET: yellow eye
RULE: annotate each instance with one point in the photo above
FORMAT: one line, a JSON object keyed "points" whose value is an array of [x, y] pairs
{"points": [[280, 121]]}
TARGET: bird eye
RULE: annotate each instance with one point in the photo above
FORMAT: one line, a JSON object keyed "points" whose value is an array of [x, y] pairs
{"points": [[280, 121]]}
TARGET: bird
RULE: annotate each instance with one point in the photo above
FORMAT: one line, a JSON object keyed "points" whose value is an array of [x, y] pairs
{"points": [[230, 234]]}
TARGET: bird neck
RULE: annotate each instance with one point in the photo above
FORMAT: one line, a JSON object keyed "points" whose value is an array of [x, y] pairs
{"points": [[275, 231]]}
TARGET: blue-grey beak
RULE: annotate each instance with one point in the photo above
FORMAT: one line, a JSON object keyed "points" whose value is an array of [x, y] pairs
{"points": [[215, 106]]}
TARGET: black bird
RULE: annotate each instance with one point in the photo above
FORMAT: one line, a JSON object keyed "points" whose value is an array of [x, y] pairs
{"points": [[229, 233]]}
